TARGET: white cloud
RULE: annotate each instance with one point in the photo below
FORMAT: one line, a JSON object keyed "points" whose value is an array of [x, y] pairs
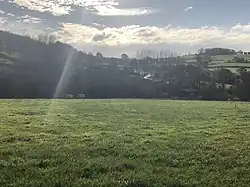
{"points": [[52, 6], [10, 14], [113, 11], [29, 19], [24, 25], [188, 8], [2, 21], [98, 25], [134, 35], [64, 7], [241, 28]]}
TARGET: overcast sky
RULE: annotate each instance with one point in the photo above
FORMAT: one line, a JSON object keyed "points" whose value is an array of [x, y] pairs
{"points": [[116, 26]]}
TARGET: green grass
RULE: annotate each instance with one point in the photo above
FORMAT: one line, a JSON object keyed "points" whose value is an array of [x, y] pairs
{"points": [[229, 65], [233, 70], [233, 67], [229, 57], [221, 60], [126, 143]]}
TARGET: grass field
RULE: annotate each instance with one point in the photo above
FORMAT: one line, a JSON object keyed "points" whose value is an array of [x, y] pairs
{"points": [[233, 67], [126, 143], [230, 57], [221, 61]]}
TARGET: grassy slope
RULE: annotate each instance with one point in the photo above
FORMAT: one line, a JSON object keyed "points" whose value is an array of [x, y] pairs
{"points": [[233, 67], [133, 143], [229, 57], [222, 61]]}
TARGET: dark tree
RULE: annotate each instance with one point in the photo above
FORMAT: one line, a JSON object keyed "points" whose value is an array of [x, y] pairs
{"points": [[46, 68], [124, 56], [99, 55]]}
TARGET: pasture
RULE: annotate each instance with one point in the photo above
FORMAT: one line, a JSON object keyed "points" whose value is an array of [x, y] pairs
{"points": [[124, 143], [221, 61], [233, 67], [226, 58]]}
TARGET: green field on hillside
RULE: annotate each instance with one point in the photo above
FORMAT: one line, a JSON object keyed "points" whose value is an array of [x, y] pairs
{"points": [[229, 57], [126, 143], [218, 58], [233, 67], [221, 61]]}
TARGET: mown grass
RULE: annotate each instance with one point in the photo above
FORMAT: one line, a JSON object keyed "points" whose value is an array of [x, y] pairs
{"points": [[221, 61], [230, 57], [126, 143], [231, 65]]}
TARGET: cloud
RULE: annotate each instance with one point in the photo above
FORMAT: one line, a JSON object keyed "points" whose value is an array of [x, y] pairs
{"points": [[64, 7], [113, 11], [188, 8], [98, 25], [10, 14], [57, 8], [24, 25], [7, 14], [135, 34], [2, 21], [100, 37], [29, 19], [237, 36]]}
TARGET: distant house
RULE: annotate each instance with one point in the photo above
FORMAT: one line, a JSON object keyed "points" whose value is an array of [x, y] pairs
{"points": [[81, 96], [190, 92], [226, 86], [148, 77], [69, 96]]}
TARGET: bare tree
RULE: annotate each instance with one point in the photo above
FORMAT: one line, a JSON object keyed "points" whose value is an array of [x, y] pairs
{"points": [[99, 55], [144, 53], [47, 38], [124, 56]]}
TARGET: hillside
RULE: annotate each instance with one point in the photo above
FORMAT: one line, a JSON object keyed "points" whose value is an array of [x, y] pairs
{"points": [[226, 61], [50, 69], [40, 67]]}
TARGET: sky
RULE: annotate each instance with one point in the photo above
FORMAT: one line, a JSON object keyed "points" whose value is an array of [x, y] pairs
{"points": [[113, 27]]}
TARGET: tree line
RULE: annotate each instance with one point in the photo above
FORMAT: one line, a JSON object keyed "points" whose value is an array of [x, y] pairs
{"points": [[46, 68]]}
